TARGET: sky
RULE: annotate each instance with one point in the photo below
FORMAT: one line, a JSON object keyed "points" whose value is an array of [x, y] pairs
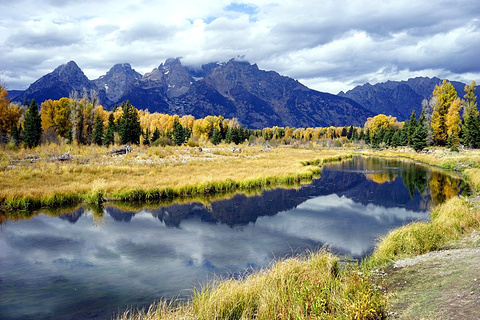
{"points": [[328, 45]]}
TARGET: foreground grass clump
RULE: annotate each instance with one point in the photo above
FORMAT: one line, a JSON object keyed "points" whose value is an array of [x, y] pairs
{"points": [[449, 221], [314, 286]]}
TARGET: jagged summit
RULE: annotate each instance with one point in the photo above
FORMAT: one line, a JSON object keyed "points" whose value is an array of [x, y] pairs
{"points": [[117, 80], [61, 82]]}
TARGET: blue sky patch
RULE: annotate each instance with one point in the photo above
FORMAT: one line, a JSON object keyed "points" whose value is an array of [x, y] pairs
{"points": [[242, 8]]}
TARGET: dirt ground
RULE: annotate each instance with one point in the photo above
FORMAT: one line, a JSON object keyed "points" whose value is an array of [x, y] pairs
{"points": [[438, 285]]}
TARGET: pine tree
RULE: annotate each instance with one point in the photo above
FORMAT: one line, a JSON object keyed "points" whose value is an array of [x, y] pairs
{"points": [[15, 135], [146, 137], [396, 138], [367, 136], [388, 138], [228, 136], [98, 131], [178, 133], [471, 128], [129, 125], [411, 127], [419, 138], [33, 126], [109, 137], [216, 136], [350, 133], [155, 135]]}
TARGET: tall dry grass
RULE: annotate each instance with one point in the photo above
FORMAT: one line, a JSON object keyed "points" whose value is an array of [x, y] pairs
{"points": [[313, 286], [449, 222], [148, 174]]}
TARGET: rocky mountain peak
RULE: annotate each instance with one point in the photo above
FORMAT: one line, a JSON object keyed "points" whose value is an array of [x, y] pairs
{"points": [[59, 83], [68, 72], [117, 80], [172, 76]]}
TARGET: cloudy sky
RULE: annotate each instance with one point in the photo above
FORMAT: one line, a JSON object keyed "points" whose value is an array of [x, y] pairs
{"points": [[329, 45]]}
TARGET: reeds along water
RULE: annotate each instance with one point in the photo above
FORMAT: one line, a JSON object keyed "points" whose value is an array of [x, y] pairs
{"points": [[313, 285]]}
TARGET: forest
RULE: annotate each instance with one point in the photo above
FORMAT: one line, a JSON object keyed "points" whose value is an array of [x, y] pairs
{"points": [[446, 120]]}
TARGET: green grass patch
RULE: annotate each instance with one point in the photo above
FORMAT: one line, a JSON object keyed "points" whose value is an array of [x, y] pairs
{"points": [[449, 221]]}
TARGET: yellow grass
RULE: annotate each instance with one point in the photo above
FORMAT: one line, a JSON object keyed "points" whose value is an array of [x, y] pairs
{"points": [[94, 176], [312, 286]]}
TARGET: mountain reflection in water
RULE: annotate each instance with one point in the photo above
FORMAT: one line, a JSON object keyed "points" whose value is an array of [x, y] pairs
{"points": [[72, 268]]}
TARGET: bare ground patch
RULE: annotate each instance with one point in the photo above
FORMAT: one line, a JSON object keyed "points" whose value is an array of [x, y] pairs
{"points": [[438, 285]]}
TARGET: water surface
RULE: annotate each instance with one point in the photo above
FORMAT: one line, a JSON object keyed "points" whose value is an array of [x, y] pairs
{"points": [[90, 264]]}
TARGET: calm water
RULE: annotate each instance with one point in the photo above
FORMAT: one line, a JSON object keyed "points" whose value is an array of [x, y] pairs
{"points": [[85, 264]]}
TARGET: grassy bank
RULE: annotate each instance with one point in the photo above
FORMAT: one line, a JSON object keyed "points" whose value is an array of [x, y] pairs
{"points": [[312, 286], [149, 174], [449, 221]]}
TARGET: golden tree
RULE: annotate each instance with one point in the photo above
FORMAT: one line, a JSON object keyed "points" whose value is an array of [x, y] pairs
{"points": [[380, 121], [444, 95], [453, 123]]}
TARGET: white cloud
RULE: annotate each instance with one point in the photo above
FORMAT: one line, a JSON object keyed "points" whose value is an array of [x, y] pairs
{"points": [[328, 45]]}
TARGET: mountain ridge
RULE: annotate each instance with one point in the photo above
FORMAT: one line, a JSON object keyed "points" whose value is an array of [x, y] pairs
{"points": [[236, 88], [398, 98], [257, 98]]}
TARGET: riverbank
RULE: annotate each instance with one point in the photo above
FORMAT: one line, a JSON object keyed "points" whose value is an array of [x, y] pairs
{"points": [[92, 175], [382, 294]]}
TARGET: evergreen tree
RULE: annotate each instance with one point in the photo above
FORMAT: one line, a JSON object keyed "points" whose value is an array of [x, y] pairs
{"points": [[388, 138], [155, 135], [79, 130], [411, 126], [350, 133], [378, 138], [471, 127], [216, 136], [178, 133], [355, 135], [396, 139], [367, 136], [98, 131], [15, 135], [109, 137], [129, 125], [404, 136], [361, 135], [33, 125], [146, 137], [228, 136], [419, 138]]}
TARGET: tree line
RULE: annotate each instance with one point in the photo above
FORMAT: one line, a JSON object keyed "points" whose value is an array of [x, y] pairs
{"points": [[83, 121], [441, 123]]}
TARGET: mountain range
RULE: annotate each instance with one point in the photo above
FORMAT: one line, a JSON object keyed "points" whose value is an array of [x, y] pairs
{"points": [[257, 98], [398, 98]]}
